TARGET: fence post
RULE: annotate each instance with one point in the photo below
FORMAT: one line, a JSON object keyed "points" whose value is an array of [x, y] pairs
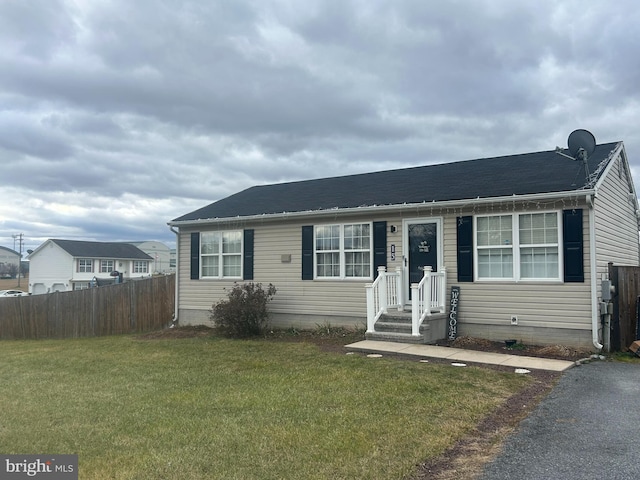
{"points": [[415, 309], [427, 288], [400, 289], [442, 296], [382, 292], [132, 309], [94, 308], [370, 307]]}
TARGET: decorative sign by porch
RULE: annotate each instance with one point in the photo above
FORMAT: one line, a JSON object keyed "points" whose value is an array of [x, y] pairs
{"points": [[393, 251], [453, 312]]}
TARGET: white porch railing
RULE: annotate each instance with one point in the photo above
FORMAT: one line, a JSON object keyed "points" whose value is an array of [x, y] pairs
{"points": [[384, 293], [427, 297]]}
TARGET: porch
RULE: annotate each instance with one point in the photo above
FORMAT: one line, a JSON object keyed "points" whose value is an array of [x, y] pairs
{"points": [[423, 321]]}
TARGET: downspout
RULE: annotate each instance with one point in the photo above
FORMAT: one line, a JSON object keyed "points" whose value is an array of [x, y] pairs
{"points": [[594, 274], [174, 322]]}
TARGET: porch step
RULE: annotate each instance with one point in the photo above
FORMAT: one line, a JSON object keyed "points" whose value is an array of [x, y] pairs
{"points": [[395, 326], [395, 316], [388, 325], [395, 337], [398, 323]]}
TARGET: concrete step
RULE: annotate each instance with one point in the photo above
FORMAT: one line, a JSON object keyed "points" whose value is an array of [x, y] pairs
{"points": [[395, 326], [396, 317], [395, 337], [389, 326]]}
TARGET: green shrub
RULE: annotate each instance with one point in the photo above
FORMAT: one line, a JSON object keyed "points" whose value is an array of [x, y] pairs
{"points": [[244, 312]]}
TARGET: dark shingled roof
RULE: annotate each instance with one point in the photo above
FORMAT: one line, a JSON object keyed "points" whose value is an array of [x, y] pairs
{"points": [[111, 250], [529, 173]]}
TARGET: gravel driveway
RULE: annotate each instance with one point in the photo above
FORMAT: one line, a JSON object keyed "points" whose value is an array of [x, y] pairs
{"points": [[588, 427]]}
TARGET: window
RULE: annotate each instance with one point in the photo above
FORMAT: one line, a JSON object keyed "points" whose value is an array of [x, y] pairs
{"points": [[106, 266], [539, 246], [343, 251], [140, 266], [522, 246], [85, 265], [495, 246], [221, 254], [81, 285]]}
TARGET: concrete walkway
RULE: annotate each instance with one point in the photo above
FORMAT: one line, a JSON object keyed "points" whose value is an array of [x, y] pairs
{"points": [[460, 355]]}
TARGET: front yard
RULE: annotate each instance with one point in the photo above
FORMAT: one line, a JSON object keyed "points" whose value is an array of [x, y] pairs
{"points": [[208, 408]]}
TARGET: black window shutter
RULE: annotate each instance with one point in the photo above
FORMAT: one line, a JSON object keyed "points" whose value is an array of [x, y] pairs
{"points": [[307, 252], [247, 268], [195, 255], [379, 246], [573, 245], [465, 248]]}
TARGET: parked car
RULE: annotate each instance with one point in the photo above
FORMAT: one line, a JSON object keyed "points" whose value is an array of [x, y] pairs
{"points": [[12, 293]]}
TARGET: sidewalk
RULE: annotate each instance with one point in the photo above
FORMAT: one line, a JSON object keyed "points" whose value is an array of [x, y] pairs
{"points": [[461, 355]]}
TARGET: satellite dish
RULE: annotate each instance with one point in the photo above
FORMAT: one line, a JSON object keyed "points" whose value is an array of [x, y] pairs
{"points": [[581, 142]]}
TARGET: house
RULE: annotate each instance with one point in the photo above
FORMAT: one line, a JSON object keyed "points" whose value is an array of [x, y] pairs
{"points": [[9, 262], [62, 265], [526, 238], [159, 252]]}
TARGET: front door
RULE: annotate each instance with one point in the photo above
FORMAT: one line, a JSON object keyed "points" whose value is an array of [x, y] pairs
{"points": [[422, 249]]}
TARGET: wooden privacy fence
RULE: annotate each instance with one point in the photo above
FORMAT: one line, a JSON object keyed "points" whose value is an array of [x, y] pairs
{"points": [[135, 306], [626, 307]]}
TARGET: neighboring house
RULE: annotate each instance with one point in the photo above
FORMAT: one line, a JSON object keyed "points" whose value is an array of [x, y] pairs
{"points": [[526, 236], [159, 252], [9, 257], [172, 260], [62, 265]]}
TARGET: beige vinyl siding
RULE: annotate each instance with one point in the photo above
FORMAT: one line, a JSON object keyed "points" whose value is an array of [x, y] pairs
{"points": [[616, 223], [486, 307], [273, 244]]}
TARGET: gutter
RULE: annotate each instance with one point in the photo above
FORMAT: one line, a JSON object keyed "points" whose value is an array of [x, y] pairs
{"points": [[594, 274], [470, 202], [174, 321]]}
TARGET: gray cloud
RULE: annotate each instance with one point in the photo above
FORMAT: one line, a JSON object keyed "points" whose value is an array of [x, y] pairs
{"points": [[117, 116]]}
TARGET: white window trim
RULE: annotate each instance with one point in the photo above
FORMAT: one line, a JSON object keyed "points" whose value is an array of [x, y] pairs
{"points": [[221, 256], [515, 247], [91, 265], [342, 253], [106, 260], [140, 262]]}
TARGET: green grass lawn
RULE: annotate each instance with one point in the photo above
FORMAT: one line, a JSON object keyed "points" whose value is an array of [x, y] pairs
{"points": [[208, 408]]}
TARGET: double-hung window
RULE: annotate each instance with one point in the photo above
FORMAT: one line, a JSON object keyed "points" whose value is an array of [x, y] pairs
{"points": [[85, 265], [495, 246], [523, 246], [221, 254], [343, 251], [539, 252], [106, 266], [140, 266]]}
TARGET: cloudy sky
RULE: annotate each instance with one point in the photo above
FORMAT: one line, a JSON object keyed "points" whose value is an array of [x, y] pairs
{"points": [[117, 116]]}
